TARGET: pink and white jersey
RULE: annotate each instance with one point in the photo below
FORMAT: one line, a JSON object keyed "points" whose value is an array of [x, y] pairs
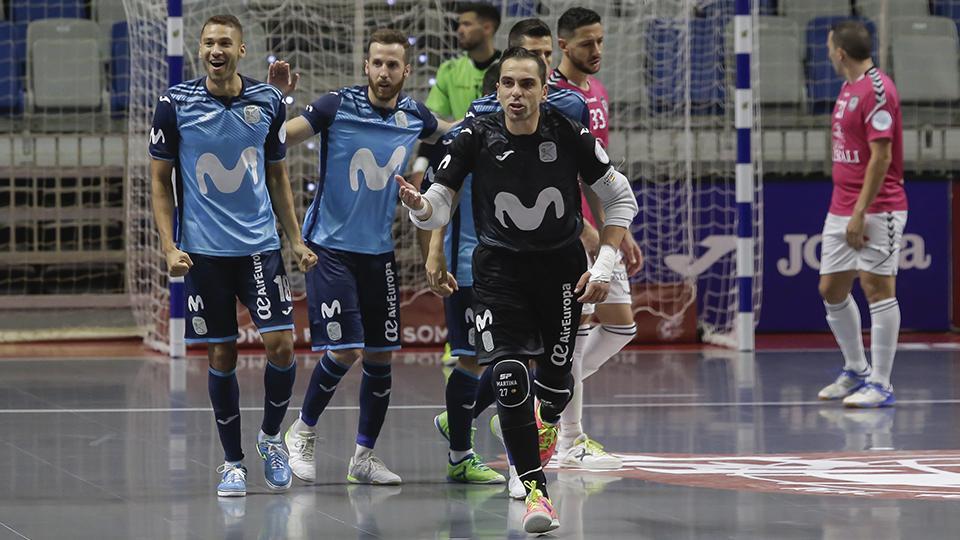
{"points": [[598, 105], [866, 110]]}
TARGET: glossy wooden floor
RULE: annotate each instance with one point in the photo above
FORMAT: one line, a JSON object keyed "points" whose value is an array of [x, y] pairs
{"points": [[716, 445]]}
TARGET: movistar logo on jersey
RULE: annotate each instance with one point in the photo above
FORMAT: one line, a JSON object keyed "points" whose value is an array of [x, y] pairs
{"points": [[227, 180], [375, 176], [527, 219]]}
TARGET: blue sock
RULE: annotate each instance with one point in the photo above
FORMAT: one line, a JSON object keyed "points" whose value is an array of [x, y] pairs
{"points": [[323, 383], [460, 396], [374, 400], [225, 398], [485, 395], [278, 389]]}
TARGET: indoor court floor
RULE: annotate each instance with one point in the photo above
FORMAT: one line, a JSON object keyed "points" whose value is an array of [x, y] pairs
{"points": [[716, 445]]}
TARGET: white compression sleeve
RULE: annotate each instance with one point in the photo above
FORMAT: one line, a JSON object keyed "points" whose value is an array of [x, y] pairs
{"points": [[619, 203], [440, 198]]}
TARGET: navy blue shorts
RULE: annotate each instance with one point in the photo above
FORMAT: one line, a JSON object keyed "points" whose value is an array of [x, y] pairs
{"points": [[213, 285], [354, 301], [458, 311]]}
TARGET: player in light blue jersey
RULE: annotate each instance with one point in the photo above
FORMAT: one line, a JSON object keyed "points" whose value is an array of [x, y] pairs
{"points": [[366, 136], [469, 392], [223, 134]]}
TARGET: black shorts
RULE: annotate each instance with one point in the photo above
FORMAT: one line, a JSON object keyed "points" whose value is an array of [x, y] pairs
{"points": [[458, 311], [524, 304], [213, 285]]}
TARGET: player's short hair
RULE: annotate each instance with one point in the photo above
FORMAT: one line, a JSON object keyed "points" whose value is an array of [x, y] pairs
{"points": [[389, 36], [853, 37], [534, 28], [490, 79], [574, 18], [519, 53], [483, 10], [224, 19]]}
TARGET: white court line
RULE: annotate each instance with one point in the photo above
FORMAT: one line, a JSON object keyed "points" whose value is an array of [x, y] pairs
{"points": [[14, 531], [628, 396], [441, 406]]}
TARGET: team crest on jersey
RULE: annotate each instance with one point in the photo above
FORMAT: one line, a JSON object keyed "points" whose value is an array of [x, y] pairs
{"points": [[333, 331], [852, 105], [199, 326], [548, 152], [401, 118], [251, 114]]}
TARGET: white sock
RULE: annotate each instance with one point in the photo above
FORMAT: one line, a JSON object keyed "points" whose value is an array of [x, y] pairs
{"points": [[456, 456], [884, 332], [362, 452], [844, 321], [264, 437], [570, 418], [603, 342]]}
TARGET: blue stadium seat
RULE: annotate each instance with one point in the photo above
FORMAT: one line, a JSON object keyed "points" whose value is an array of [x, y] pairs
{"points": [[665, 69], [823, 83], [13, 54], [119, 69], [31, 10], [725, 8], [947, 8]]}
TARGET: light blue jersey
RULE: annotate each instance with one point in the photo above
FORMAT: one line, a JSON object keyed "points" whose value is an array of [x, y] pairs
{"points": [[220, 147], [362, 147], [461, 235]]}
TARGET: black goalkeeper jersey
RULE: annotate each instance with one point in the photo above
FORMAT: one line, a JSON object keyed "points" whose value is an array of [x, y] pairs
{"points": [[525, 189]]}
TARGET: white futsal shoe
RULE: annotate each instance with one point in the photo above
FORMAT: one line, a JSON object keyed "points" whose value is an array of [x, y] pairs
{"points": [[301, 446], [586, 453], [370, 470]]}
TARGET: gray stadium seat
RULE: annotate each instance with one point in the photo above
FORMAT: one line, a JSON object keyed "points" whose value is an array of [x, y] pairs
{"points": [[780, 61], [873, 9], [64, 65], [802, 11], [925, 53]]}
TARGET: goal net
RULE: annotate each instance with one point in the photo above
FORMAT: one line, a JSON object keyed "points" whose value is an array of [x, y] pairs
{"points": [[667, 65]]}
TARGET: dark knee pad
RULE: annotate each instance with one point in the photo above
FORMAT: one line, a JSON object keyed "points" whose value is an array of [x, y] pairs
{"points": [[554, 390], [511, 384]]}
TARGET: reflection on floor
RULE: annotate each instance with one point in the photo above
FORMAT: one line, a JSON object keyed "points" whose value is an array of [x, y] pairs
{"points": [[716, 445]]}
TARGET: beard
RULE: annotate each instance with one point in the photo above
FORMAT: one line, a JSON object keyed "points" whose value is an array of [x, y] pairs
{"points": [[585, 67], [386, 93]]}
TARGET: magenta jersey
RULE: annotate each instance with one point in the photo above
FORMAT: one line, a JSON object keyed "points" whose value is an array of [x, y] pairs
{"points": [[598, 105], [866, 110]]}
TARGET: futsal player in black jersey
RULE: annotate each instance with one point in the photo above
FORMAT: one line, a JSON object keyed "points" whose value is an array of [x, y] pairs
{"points": [[530, 274]]}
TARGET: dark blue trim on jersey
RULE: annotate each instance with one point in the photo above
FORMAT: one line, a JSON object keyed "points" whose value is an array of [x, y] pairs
{"points": [[324, 153]]}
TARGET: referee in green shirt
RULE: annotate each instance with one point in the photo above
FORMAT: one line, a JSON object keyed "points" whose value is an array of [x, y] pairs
{"points": [[459, 79]]}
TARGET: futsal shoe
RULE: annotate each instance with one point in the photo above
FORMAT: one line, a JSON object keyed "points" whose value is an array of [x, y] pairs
{"points": [[301, 446], [443, 426], [233, 483], [370, 470], [472, 470], [870, 396], [276, 467], [847, 383], [448, 360], [515, 485], [541, 517], [585, 453], [546, 435]]}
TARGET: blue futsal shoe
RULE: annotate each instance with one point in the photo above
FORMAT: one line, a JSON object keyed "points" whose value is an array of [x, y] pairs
{"points": [[233, 483], [871, 395], [276, 466]]}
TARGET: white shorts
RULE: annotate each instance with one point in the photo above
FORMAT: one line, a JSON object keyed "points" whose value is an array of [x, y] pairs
{"points": [[880, 255], [619, 286]]}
